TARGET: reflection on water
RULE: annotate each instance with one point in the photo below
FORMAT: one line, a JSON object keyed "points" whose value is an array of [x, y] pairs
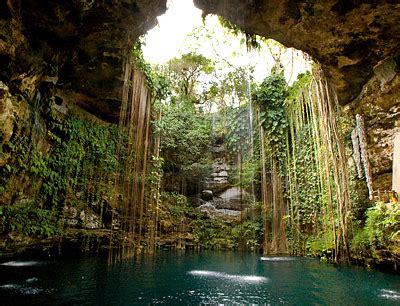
{"points": [[32, 280], [238, 278], [20, 263], [26, 290], [274, 258], [175, 278], [390, 294]]}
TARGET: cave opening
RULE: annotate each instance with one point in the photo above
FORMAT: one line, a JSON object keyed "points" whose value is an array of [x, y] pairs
{"points": [[212, 70], [202, 135]]}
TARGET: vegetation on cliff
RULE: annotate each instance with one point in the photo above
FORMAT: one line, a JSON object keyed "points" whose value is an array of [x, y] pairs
{"points": [[288, 149]]}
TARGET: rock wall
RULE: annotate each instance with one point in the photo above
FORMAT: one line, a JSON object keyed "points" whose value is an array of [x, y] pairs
{"points": [[218, 180], [79, 45], [219, 197], [379, 103]]}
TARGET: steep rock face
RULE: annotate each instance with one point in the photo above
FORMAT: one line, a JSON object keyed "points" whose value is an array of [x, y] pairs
{"points": [[379, 103], [80, 45], [83, 42], [348, 37]]}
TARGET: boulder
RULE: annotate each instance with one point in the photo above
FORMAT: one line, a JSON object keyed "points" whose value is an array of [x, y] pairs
{"points": [[233, 199], [206, 195]]}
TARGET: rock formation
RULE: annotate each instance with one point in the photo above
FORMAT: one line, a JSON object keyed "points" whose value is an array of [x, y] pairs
{"points": [[219, 197], [78, 47]]}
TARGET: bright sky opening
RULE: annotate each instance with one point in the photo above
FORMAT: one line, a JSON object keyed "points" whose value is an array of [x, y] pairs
{"points": [[165, 40], [175, 35]]}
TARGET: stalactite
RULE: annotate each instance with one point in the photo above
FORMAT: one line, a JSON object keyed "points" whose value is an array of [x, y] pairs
{"points": [[356, 152], [364, 154]]}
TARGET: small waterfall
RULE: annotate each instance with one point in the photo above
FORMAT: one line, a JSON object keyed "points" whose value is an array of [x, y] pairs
{"points": [[132, 150]]}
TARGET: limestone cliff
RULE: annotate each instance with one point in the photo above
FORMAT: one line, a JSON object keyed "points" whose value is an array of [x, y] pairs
{"points": [[379, 103], [79, 45]]}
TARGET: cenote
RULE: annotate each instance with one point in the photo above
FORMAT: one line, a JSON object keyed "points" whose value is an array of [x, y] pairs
{"points": [[219, 152], [189, 278]]}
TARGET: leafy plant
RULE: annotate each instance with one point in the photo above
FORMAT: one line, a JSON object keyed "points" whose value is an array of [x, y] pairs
{"points": [[27, 219], [270, 96]]}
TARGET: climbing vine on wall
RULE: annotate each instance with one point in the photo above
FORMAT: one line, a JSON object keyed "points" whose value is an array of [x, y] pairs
{"points": [[270, 96], [70, 163]]}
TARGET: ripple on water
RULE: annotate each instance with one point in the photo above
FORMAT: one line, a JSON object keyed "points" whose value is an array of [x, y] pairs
{"points": [[22, 289], [20, 263], [390, 294], [32, 280], [231, 277]]}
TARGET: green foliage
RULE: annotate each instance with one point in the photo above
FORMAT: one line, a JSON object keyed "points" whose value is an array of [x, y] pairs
{"points": [[86, 149], [320, 246], [185, 138], [381, 232], [179, 205], [213, 233], [295, 91], [216, 233], [383, 225], [305, 198], [159, 84], [186, 73], [360, 242], [249, 234], [270, 96], [245, 175], [27, 219], [174, 212], [237, 137], [80, 158]]}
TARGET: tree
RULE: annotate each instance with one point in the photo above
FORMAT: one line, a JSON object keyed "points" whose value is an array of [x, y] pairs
{"points": [[187, 72]]}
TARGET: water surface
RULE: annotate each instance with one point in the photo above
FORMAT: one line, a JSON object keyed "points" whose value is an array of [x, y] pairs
{"points": [[182, 278]]}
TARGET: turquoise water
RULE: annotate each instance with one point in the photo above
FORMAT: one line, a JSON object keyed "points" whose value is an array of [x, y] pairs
{"points": [[183, 278]]}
